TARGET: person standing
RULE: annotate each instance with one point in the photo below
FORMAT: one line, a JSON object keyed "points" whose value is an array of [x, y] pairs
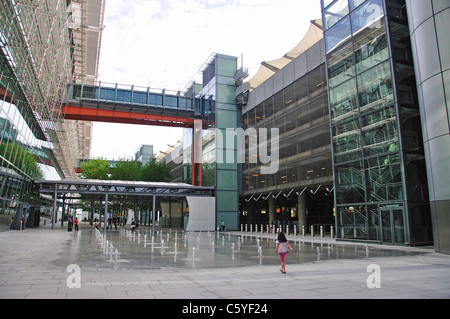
{"points": [[76, 223], [282, 249]]}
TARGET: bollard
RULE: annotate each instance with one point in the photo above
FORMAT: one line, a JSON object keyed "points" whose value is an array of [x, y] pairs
{"points": [[256, 228], [287, 229], [321, 231], [303, 230], [251, 228], [312, 231], [246, 227], [332, 231], [295, 230], [242, 228], [262, 228]]}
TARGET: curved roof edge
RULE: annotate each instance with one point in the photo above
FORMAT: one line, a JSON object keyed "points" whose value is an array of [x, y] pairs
{"points": [[269, 68]]}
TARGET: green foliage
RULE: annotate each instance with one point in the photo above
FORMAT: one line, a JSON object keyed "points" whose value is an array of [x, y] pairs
{"points": [[20, 159], [126, 171], [156, 172], [95, 169]]}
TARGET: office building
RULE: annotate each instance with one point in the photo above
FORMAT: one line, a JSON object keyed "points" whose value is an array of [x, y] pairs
{"points": [[290, 95], [380, 180], [44, 46]]}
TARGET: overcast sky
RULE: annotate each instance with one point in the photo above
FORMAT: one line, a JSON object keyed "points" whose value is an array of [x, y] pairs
{"points": [[163, 44]]}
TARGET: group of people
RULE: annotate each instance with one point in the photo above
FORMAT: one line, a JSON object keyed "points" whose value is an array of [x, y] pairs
{"points": [[72, 223]]}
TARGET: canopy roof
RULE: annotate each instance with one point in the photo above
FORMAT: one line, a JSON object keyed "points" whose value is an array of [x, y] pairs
{"points": [[269, 68], [123, 188]]}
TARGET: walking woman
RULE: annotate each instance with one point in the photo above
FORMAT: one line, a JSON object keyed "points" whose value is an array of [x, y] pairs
{"points": [[282, 249]]}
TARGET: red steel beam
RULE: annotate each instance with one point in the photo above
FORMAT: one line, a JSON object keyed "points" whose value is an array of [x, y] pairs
{"points": [[123, 117]]}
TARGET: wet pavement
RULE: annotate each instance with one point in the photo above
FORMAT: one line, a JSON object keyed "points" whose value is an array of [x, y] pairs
{"points": [[39, 263], [126, 249]]}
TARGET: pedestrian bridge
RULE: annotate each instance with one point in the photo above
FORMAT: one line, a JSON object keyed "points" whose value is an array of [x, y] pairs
{"points": [[128, 104]]}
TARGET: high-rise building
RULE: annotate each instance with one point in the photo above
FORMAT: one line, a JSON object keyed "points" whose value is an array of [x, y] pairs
{"points": [[380, 180], [44, 46]]}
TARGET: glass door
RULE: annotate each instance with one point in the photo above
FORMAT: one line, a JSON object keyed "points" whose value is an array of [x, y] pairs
{"points": [[392, 224]]}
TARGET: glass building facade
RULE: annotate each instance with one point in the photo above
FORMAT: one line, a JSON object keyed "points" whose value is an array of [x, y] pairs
{"points": [[208, 158], [293, 101], [381, 190], [40, 52]]}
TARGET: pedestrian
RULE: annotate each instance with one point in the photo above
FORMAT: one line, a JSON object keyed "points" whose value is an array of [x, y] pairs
{"points": [[115, 221], [223, 227], [69, 223], [282, 249], [76, 223]]}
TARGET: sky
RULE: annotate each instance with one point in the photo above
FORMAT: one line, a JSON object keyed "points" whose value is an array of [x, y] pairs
{"points": [[163, 44]]}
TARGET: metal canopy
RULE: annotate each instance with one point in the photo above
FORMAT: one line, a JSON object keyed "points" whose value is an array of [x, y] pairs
{"points": [[123, 188]]}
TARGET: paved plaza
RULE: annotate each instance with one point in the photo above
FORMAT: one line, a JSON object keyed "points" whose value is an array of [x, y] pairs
{"points": [[57, 264]]}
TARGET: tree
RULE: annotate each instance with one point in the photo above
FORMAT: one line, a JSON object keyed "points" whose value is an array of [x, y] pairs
{"points": [[95, 169], [126, 171], [156, 172]]}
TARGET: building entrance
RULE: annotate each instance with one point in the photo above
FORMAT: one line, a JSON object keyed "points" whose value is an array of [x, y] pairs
{"points": [[392, 225]]}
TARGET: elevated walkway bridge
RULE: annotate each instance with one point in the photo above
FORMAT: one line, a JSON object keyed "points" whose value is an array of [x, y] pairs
{"points": [[128, 104]]}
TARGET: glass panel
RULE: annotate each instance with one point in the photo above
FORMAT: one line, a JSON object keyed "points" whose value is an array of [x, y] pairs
{"points": [[139, 98], [386, 226], [123, 96], [355, 3], [384, 180], [155, 99], [90, 92], [349, 183], [326, 3], [260, 116], [347, 142], [185, 103], [341, 65], [343, 102], [226, 200], [107, 94], [380, 132], [370, 48], [335, 13], [338, 34], [268, 107], [373, 221], [170, 101], [278, 102], [368, 14], [375, 88], [399, 229], [226, 93], [226, 67]]}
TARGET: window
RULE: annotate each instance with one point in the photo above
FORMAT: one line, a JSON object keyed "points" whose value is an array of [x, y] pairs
{"points": [[335, 12], [375, 88], [338, 34], [368, 15], [343, 101]]}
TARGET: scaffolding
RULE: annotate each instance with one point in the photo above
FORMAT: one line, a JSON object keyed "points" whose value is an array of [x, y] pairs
{"points": [[47, 44]]}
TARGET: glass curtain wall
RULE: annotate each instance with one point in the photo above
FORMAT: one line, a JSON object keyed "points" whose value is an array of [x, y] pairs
{"points": [[380, 188], [300, 112], [219, 167]]}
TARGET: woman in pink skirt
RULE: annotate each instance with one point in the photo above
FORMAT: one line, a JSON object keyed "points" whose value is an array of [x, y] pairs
{"points": [[282, 249]]}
